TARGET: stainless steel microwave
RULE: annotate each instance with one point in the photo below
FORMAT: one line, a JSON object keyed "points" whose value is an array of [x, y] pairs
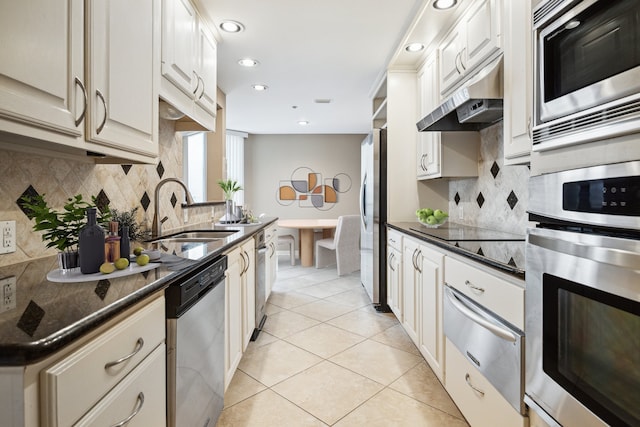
{"points": [[587, 71]]}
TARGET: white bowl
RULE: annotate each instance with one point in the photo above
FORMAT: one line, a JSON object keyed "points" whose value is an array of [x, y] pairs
{"points": [[442, 221]]}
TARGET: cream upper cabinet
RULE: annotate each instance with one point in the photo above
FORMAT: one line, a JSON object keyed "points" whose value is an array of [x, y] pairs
{"points": [[85, 79], [42, 69], [428, 144], [189, 62], [518, 81], [123, 47], [475, 37]]}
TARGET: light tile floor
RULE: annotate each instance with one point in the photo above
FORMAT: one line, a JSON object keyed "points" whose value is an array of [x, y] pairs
{"points": [[325, 357]]}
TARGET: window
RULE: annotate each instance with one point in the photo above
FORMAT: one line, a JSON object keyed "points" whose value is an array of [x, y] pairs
{"points": [[195, 164], [235, 161]]}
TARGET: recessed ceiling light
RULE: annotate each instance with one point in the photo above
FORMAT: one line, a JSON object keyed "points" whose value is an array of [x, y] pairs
{"points": [[322, 101], [303, 122], [444, 4], [248, 62], [231, 26], [414, 47], [260, 87]]}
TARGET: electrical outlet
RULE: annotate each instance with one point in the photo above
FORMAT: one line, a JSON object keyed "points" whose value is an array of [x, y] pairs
{"points": [[460, 212], [8, 293], [8, 237]]}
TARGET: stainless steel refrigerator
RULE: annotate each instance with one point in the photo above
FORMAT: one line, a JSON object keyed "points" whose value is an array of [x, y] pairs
{"points": [[373, 217]]}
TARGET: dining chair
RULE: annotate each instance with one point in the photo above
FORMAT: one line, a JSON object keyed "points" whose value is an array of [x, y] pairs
{"points": [[290, 241], [343, 248]]}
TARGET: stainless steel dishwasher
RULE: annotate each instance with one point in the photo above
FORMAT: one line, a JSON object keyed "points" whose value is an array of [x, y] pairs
{"points": [[261, 277], [195, 347]]}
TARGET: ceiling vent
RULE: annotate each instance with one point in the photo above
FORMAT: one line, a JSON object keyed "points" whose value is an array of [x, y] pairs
{"points": [[322, 101]]}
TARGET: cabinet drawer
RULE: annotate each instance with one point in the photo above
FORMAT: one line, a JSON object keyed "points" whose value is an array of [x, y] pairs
{"points": [[499, 296], [74, 384], [141, 393], [480, 410], [394, 239], [270, 232]]}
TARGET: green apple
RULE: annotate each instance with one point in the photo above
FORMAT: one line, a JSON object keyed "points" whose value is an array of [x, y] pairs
{"points": [[431, 220], [440, 214]]}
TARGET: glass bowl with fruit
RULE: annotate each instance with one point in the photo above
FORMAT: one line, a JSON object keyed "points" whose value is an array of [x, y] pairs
{"points": [[431, 218]]}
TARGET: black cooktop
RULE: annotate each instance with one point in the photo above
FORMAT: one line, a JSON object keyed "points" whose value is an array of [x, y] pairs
{"points": [[458, 233], [492, 246]]}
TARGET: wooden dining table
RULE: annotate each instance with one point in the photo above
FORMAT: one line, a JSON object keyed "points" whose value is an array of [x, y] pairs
{"points": [[306, 229]]}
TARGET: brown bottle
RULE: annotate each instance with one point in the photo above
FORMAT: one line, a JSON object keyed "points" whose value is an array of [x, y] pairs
{"points": [[112, 243]]}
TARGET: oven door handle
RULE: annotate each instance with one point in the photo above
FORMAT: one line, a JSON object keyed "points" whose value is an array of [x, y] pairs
{"points": [[476, 317]]}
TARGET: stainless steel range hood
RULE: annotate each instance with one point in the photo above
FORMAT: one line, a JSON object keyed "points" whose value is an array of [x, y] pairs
{"points": [[476, 105]]}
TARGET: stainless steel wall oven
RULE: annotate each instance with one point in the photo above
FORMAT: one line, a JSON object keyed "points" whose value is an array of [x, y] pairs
{"points": [[587, 68], [583, 296]]}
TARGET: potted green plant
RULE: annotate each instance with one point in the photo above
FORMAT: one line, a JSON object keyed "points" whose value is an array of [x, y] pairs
{"points": [[229, 188], [62, 227], [128, 219]]}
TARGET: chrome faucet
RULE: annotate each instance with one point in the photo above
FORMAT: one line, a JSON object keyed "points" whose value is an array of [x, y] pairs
{"points": [[157, 222]]}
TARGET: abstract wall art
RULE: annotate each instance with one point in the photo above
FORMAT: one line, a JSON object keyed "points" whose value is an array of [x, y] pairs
{"points": [[307, 189]]}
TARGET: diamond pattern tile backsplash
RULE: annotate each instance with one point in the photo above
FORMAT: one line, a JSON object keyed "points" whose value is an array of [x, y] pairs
{"points": [[498, 197], [122, 186]]}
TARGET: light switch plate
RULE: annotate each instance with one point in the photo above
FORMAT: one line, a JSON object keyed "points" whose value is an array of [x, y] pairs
{"points": [[8, 230]]}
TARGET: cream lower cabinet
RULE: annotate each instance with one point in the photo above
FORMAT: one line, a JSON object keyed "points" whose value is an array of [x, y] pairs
{"points": [[233, 314], [70, 82], [240, 305], [422, 276], [480, 403], [394, 273], [121, 373], [271, 262]]}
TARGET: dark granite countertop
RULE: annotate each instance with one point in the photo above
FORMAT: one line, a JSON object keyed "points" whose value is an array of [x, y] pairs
{"points": [[49, 316], [497, 249]]}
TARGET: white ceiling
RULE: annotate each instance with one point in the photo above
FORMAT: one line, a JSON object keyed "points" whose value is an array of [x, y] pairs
{"points": [[308, 50]]}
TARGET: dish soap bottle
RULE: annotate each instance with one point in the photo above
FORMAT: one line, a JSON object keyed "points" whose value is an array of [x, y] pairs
{"points": [[91, 244], [112, 243]]}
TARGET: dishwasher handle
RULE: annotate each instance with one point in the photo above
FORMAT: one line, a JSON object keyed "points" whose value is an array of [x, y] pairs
{"points": [[478, 318]]}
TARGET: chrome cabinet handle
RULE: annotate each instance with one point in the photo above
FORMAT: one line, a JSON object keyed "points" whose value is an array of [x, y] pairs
{"points": [[203, 87], [139, 345], [462, 63], [477, 318], [422, 165], [529, 130], [417, 266], [104, 104], [478, 289], [455, 61], [391, 257], [197, 82], [244, 263], [467, 378], [135, 412], [84, 95], [363, 207]]}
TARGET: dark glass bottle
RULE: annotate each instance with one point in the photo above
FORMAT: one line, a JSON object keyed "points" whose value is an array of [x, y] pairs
{"points": [[125, 244], [91, 245]]}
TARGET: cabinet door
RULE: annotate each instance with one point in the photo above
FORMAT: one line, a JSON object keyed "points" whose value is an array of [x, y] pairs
{"points": [[518, 82], [271, 267], [140, 397], [410, 289], [430, 331], [451, 68], [233, 315], [207, 71], [482, 30], [248, 292], [42, 69], [179, 41], [394, 282], [122, 54], [428, 153]]}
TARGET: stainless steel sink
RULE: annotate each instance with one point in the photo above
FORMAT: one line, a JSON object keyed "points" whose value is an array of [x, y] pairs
{"points": [[197, 236]]}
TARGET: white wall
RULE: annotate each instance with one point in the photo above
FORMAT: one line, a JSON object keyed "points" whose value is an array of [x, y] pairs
{"points": [[270, 159]]}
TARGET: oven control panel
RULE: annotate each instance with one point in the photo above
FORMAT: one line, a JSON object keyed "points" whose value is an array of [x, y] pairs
{"points": [[612, 196]]}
